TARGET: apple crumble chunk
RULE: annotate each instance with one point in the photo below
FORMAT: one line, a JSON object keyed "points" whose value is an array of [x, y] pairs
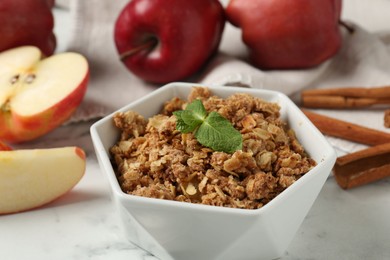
{"points": [[153, 159]]}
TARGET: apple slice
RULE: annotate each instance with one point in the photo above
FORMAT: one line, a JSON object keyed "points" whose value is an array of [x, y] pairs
{"points": [[35, 177], [37, 95]]}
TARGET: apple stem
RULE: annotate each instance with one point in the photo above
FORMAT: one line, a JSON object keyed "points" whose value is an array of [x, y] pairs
{"points": [[150, 44]]}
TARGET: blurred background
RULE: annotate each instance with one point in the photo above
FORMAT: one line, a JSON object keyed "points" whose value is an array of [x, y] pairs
{"points": [[373, 15]]}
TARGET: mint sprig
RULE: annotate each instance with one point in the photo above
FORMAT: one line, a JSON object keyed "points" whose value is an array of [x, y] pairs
{"points": [[211, 130]]}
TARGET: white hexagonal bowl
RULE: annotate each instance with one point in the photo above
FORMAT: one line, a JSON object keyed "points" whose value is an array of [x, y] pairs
{"points": [[179, 230]]}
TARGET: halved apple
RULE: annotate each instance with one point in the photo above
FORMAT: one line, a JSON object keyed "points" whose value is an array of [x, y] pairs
{"points": [[37, 95], [35, 177]]}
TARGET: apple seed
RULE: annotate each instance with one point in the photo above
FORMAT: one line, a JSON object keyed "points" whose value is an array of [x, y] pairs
{"points": [[30, 78], [15, 79], [27, 79]]}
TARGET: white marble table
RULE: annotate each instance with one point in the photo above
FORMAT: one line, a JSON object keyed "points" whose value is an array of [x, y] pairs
{"points": [[342, 224], [352, 224]]}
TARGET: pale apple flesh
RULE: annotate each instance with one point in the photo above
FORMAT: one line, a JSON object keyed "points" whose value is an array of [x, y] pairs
{"points": [[34, 177], [38, 95]]}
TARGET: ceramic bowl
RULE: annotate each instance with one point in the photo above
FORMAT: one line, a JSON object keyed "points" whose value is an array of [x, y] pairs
{"points": [[179, 230]]}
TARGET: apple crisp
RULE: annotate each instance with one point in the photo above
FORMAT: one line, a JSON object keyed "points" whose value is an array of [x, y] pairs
{"points": [[153, 159]]}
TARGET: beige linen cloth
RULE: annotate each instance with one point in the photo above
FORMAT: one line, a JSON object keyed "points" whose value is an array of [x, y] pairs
{"points": [[364, 60]]}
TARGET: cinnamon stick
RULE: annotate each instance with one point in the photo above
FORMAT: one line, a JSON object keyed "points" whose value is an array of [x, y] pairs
{"points": [[358, 92], [363, 167], [386, 118], [348, 131], [317, 101], [353, 97]]}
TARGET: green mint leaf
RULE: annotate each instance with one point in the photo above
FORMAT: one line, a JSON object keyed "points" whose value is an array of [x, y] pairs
{"points": [[217, 133], [211, 130], [181, 125], [194, 112], [190, 118]]}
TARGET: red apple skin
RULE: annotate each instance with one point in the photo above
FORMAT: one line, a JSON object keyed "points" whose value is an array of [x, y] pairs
{"points": [[186, 33], [288, 34], [19, 129], [4, 147], [27, 22]]}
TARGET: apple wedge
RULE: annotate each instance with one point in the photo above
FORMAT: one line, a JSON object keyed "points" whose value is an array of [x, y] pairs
{"points": [[37, 95], [35, 177]]}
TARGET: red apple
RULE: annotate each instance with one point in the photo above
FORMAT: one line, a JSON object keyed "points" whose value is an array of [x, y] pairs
{"points": [[27, 22], [34, 177], [37, 95], [168, 40], [288, 34]]}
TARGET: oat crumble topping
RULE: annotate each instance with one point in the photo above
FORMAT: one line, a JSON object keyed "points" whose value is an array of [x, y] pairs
{"points": [[153, 159]]}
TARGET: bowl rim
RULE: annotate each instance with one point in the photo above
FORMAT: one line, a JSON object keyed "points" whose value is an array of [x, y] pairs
{"points": [[122, 196]]}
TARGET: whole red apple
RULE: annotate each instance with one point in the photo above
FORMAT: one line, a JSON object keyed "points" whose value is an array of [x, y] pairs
{"points": [[27, 22], [288, 34], [168, 40]]}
